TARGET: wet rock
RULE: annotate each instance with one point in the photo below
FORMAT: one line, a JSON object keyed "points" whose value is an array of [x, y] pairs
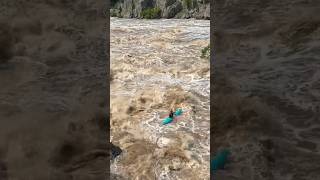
{"points": [[115, 151]]}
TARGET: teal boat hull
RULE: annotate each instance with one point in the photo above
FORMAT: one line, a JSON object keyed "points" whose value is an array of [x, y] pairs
{"points": [[178, 112], [169, 119]]}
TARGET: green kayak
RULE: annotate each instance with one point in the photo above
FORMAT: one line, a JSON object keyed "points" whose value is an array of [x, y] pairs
{"points": [[169, 119]]}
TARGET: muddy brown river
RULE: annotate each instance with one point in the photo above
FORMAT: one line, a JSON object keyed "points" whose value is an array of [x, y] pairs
{"points": [[155, 66]]}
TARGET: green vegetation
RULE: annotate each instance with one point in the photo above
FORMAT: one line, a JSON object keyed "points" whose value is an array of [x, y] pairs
{"points": [[116, 12], [188, 3], [113, 13], [205, 52], [151, 13]]}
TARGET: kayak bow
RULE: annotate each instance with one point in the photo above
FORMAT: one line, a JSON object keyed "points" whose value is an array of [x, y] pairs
{"points": [[169, 119]]}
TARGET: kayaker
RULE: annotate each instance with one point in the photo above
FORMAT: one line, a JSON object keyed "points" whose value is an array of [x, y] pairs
{"points": [[171, 113]]}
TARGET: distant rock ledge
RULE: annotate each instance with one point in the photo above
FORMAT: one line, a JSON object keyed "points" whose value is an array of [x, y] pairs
{"points": [[181, 9]]}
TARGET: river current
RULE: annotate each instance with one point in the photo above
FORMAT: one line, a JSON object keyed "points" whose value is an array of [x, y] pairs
{"points": [[155, 66]]}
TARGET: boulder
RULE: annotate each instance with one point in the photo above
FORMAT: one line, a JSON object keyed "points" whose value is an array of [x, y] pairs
{"points": [[172, 10], [115, 151]]}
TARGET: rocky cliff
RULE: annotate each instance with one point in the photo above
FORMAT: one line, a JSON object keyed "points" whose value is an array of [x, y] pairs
{"points": [[199, 9]]}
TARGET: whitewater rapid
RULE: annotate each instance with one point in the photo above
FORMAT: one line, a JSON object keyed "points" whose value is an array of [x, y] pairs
{"points": [[156, 65]]}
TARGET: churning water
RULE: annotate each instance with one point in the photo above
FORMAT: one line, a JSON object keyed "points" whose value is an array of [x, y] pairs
{"points": [[155, 66]]}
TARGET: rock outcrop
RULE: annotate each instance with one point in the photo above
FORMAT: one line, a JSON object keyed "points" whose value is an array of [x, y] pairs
{"points": [[199, 9], [115, 151]]}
